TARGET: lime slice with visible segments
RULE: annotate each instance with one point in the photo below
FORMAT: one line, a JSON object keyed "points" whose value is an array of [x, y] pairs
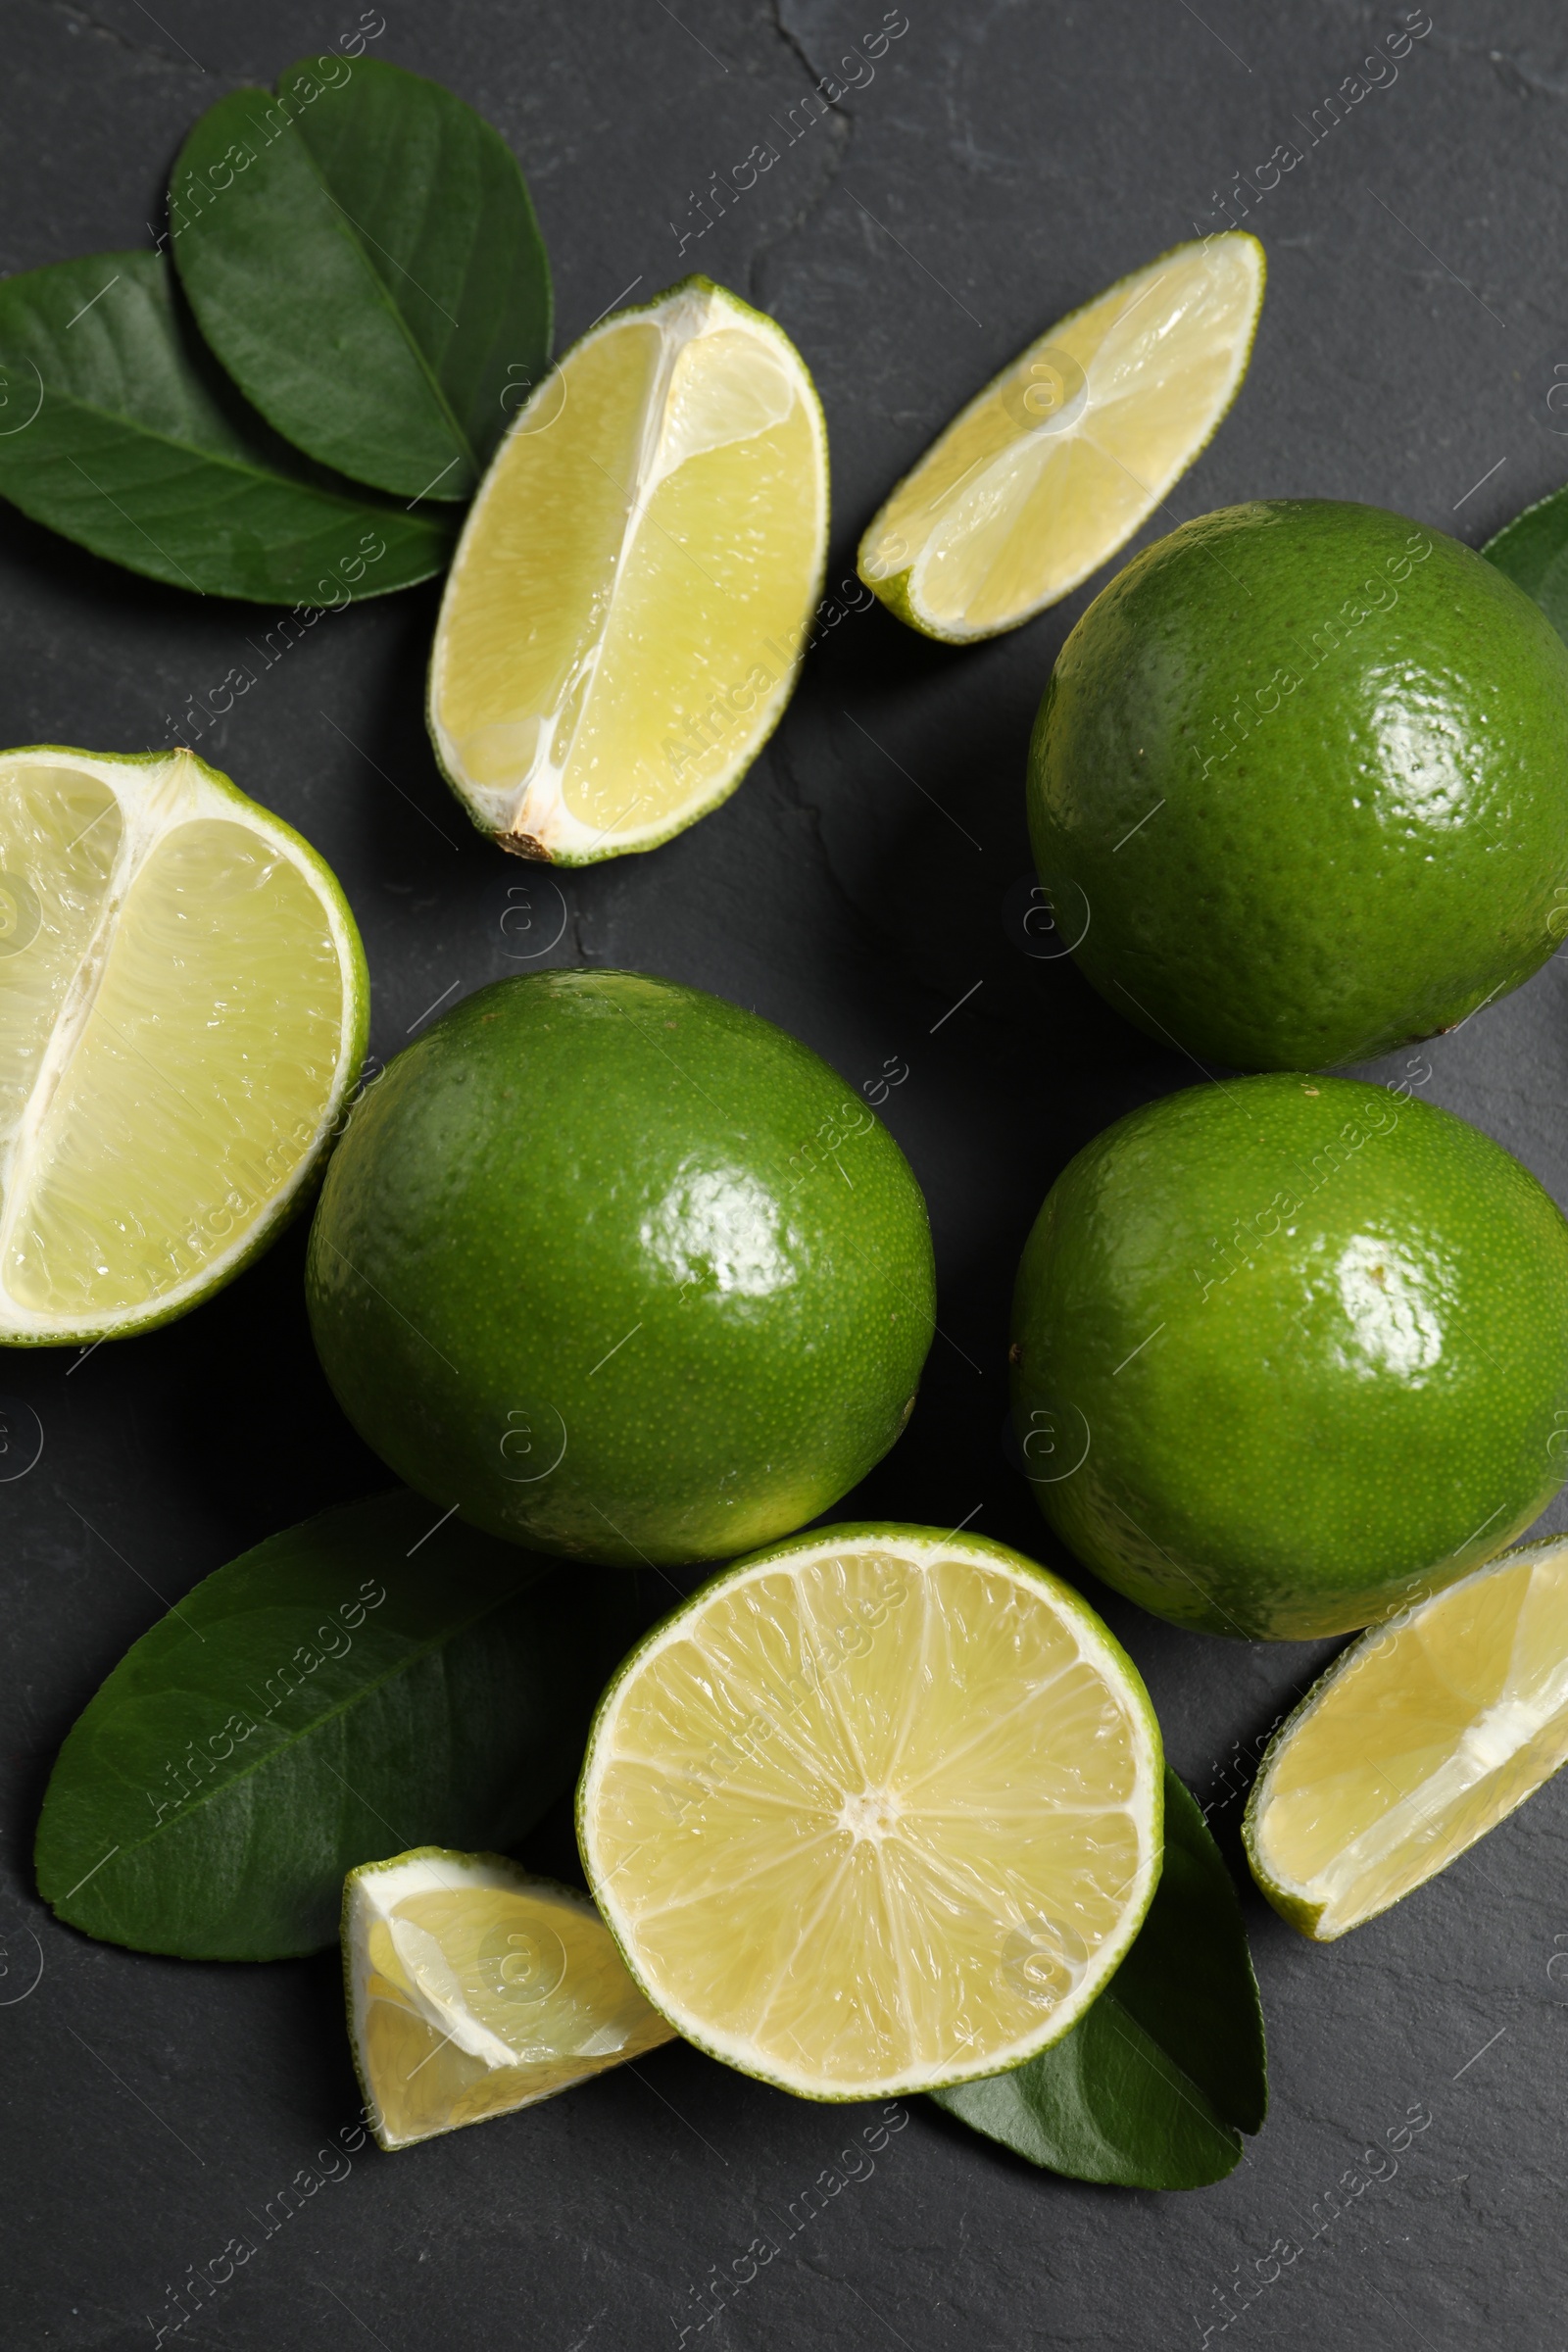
{"points": [[632, 595], [877, 1810], [474, 1989], [1064, 455], [182, 1009], [1420, 1738]]}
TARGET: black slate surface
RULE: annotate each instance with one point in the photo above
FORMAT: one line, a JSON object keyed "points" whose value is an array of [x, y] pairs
{"points": [[865, 889]]}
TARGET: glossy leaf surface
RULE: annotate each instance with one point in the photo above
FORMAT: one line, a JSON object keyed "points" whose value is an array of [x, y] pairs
{"points": [[118, 430], [1533, 551], [360, 252], [359, 1683]]}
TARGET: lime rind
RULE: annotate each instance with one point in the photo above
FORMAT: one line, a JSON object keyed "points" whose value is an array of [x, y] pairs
{"points": [[1096, 1641], [899, 590], [593, 850], [213, 787]]}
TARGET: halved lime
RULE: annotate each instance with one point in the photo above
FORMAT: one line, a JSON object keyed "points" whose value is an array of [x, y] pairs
{"points": [[632, 595], [877, 1810], [474, 1989], [1056, 465], [1420, 1738], [184, 1004]]}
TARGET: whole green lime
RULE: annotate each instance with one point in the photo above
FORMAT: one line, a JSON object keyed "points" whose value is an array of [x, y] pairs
{"points": [[1290, 1352], [613, 1268], [1298, 786]]}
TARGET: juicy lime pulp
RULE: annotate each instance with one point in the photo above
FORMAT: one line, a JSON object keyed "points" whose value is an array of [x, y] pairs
{"points": [[184, 1004], [474, 1989], [622, 1271], [630, 599], [1289, 1349], [1419, 1739], [1072, 447], [874, 1811], [1298, 786]]}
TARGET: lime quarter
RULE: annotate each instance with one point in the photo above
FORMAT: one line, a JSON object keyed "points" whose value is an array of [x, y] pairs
{"points": [[474, 1989], [1421, 1736], [1069, 451], [630, 599]]}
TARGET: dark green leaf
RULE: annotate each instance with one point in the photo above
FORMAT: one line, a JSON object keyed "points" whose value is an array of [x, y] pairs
{"points": [[362, 255], [118, 430], [212, 1796], [1155, 2085], [1532, 550]]}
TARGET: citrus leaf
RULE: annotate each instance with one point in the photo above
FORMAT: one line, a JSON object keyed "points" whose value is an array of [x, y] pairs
{"points": [[362, 255], [118, 430], [351, 1687], [1533, 551], [1155, 2085]]}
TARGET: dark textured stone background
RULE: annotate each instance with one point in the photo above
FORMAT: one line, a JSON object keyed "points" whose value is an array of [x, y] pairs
{"points": [[1007, 161]]}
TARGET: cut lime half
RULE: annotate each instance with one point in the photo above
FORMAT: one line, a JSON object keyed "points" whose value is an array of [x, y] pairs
{"points": [[1064, 455], [474, 1989], [184, 1004], [1421, 1736], [631, 596], [877, 1810]]}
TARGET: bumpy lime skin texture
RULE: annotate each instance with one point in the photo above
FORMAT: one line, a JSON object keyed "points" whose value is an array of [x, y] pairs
{"points": [[620, 1271], [1298, 786], [1290, 1352]]}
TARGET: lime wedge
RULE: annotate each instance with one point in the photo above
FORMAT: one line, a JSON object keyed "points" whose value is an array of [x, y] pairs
{"points": [[1056, 465], [632, 595], [182, 1011], [877, 1810], [473, 1989], [1421, 1736]]}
